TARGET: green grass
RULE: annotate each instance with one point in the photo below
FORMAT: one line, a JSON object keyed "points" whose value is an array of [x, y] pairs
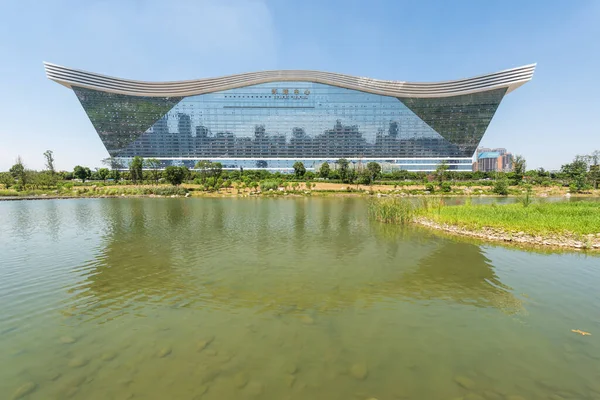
{"points": [[582, 217]]}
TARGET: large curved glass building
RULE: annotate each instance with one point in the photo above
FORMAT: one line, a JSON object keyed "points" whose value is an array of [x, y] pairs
{"points": [[271, 119]]}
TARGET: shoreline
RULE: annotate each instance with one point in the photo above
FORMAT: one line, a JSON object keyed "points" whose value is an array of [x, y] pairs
{"points": [[280, 194], [316, 188], [589, 242]]}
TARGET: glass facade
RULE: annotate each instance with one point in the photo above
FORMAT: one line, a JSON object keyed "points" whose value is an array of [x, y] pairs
{"points": [[272, 125]]}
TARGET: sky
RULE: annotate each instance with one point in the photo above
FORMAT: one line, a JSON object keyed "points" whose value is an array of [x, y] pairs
{"points": [[548, 120]]}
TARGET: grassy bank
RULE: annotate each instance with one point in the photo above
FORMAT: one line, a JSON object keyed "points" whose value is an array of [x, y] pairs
{"points": [[563, 224], [267, 187], [580, 218]]}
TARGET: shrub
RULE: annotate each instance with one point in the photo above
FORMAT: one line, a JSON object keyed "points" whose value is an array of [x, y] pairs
{"points": [[429, 187], [267, 185], [501, 187], [446, 187], [175, 175], [573, 188]]}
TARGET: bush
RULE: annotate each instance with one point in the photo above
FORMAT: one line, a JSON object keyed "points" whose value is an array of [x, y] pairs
{"points": [[446, 187], [429, 187], [175, 175], [267, 185], [501, 187]]}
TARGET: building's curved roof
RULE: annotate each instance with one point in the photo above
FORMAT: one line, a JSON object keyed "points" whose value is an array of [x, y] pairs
{"points": [[510, 79]]}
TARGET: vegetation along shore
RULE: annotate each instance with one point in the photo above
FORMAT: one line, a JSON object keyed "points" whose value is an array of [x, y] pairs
{"points": [[563, 224], [573, 225], [145, 177]]}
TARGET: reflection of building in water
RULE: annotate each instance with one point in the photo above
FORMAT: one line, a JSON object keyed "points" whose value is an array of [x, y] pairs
{"points": [[281, 256], [271, 119], [461, 273]]}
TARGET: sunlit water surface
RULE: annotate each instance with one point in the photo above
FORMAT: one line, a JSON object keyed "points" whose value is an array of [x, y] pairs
{"points": [[281, 299]]}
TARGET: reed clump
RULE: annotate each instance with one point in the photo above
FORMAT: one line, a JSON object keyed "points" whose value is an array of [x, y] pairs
{"points": [[392, 210]]}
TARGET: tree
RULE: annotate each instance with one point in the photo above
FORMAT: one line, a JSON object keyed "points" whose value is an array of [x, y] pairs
{"points": [[594, 175], [115, 175], [103, 173], [519, 168], [82, 173], [299, 169], [18, 172], [343, 166], [44, 179], [175, 175], [593, 163], [351, 175], [364, 177], [203, 167], [441, 171], [216, 169], [112, 163], [6, 179], [373, 170], [576, 172], [135, 169], [324, 170], [49, 161], [154, 166]]}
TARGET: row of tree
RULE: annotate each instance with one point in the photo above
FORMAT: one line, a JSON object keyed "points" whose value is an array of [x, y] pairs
{"points": [[581, 174]]}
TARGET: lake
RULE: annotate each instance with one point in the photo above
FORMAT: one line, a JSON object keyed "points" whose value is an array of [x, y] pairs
{"points": [[292, 298]]}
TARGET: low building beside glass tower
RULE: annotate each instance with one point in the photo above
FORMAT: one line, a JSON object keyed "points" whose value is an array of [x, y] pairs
{"points": [[271, 119], [493, 160]]}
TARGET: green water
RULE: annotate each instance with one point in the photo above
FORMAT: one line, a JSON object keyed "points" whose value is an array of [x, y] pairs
{"points": [[281, 299]]}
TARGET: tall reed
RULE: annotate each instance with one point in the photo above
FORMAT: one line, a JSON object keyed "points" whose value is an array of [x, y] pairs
{"points": [[392, 210]]}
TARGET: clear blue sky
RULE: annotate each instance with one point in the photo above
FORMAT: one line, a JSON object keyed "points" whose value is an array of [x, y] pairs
{"points": [[549, 120]]}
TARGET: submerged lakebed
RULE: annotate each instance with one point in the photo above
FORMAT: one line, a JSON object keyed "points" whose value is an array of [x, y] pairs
{"points": [[288, 298]]}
